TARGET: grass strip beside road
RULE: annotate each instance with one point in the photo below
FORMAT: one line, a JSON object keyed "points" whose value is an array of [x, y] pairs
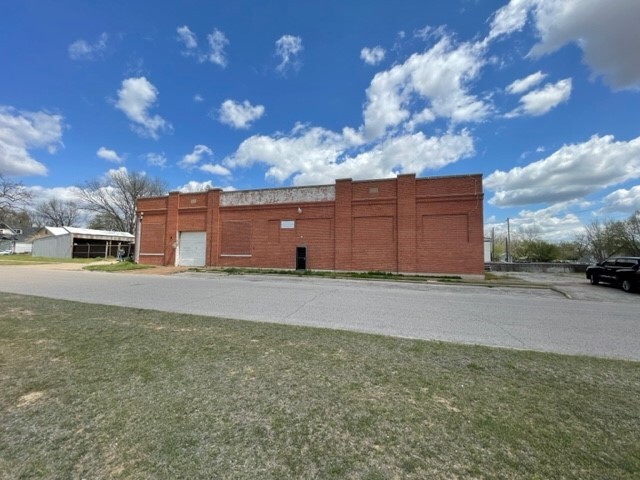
{"points": [[123, 266], [27, 259], [490, 279], [90, 391]]}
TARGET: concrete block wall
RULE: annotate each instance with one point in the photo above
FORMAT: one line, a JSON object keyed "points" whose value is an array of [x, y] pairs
{"points": [[407, 225]]}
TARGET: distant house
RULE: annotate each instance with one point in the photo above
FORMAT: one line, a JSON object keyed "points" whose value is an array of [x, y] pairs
{"points": [[72, 242], [14, 239], [6, 232]]}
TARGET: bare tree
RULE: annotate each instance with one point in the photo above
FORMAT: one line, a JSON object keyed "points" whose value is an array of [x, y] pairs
{"points": [[103, 222], [114, 196], [13, 196], [612, 237], [58, 213], [530, 233], [597, 240]]}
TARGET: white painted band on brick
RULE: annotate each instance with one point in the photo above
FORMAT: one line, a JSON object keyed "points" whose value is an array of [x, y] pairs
{"points": [[270, 196], [232, 255], [152, 254]]}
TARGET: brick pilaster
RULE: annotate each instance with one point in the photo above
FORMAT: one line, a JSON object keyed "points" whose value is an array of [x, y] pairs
{"points": [[171, 229], [343, 228], [213, 227], [407, 226]]}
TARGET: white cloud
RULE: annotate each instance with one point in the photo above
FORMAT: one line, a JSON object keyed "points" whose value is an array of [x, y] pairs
{"points": [[43, 194], [372, 56], [216, 40], [135, 98], [188, 38], [313, 155], [572, 172], [215, 169], [288, 48], [429, 32], [198, 98], [192, 159], [622, 200], [194, 187], [607, 33], [440, 77], [524, 84], [83, 50], [552, 224], [21, 131], [156, 159], [539, 102], [240, 115], [510, 18], [109, 155]]}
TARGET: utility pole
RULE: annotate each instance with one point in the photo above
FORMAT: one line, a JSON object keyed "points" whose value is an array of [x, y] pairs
{"points": [[508, 241], [493, 244]]}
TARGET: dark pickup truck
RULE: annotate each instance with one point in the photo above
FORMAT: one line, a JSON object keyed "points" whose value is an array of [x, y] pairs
{"points": [[622, 271]]}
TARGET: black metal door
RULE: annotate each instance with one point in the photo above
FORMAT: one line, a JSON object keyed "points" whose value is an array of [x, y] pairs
{"points": [[301, 258]]}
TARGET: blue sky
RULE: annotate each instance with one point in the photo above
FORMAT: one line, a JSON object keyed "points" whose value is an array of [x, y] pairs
{"points": [[540, 96]]}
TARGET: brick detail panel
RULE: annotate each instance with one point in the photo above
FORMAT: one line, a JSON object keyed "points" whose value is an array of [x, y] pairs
{"points": [[317, 236], [152, 240], [444, 246], [445, 229], [192, 221], [236, 237], [273, 231], [374, 189], [374, 245], [152, 236], [191, 200]]}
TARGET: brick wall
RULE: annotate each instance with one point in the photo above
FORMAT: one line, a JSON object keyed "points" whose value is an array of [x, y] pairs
{"points": [[425, 225]]}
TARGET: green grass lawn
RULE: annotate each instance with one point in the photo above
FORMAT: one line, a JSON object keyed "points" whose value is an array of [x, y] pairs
{"points": [[117, 267], [89, 391], [490, 279], [28, 259]]}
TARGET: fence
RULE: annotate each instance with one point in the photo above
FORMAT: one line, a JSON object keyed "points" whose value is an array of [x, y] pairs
{"points": [[536, 267], [93, 250]]}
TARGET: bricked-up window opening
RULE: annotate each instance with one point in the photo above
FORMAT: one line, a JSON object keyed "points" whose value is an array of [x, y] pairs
{"points": [[236, 237], [301, 258]]}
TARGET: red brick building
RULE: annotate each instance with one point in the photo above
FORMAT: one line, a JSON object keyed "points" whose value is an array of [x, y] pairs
{"points": [[404, 224]]}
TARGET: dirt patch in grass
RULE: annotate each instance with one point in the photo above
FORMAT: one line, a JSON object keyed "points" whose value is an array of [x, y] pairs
{"points": [[29, 399], [128, 393], [16, 313]]}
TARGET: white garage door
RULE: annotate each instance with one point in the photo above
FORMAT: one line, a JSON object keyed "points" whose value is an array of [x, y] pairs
{"points": [[192, 248]]}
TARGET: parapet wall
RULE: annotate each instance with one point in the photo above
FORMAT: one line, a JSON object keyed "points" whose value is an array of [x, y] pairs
{"points": [[275, 196]]}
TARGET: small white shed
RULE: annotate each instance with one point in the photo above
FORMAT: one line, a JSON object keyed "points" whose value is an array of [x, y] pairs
{"points": [[73, 242]]}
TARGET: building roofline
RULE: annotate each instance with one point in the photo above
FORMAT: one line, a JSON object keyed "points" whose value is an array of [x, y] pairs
{"points": [[435, 177]]}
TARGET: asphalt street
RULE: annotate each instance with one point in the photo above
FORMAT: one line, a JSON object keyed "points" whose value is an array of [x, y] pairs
{"points": [[541, 320]]}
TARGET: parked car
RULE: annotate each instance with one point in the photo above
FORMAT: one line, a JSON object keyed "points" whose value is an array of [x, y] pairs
{"points": [[621, 271], [5, 252]]}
